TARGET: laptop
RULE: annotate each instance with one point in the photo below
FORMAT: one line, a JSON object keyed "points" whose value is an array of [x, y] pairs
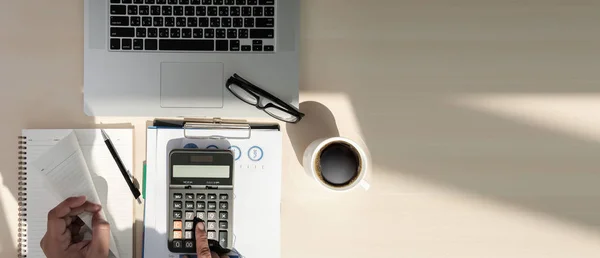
{"points": [[173, 57]]}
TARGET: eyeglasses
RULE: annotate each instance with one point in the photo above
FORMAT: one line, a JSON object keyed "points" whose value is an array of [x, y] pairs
{"points": [[255, 96]]}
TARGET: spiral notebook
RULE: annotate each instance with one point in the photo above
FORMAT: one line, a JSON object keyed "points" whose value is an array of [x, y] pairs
{"points": [[55, 164]]}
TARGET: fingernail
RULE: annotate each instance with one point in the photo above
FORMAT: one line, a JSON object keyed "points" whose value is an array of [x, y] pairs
{"points": [[200, 226]]}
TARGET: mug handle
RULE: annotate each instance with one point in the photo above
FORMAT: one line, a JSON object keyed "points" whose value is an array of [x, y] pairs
{"points": [[365, 185]]}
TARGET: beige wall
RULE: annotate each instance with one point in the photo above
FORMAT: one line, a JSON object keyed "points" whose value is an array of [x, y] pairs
{"points": [[481, 118]]}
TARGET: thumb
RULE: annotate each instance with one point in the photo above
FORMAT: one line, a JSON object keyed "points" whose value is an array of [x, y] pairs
{"points": [[202, 249], [100, 237]]}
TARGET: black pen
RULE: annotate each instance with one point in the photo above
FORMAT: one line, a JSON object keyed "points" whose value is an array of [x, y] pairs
{"points": [[136, 193]]}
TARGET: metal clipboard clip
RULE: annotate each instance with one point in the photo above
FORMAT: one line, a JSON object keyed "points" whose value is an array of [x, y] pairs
{"points": [[216, 128]]}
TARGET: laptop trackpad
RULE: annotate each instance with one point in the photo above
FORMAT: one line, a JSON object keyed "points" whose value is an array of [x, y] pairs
{"points": [[191, 85]]}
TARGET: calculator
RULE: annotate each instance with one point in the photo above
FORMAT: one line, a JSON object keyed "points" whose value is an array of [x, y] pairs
{"points": [[201, 185]]}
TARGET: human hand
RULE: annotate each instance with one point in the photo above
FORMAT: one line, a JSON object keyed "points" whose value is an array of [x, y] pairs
{"points": [[62, 238], [202, 247]]}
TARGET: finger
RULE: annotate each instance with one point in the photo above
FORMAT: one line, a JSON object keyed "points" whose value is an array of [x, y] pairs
{"points": [[79, 246], [65, 207], [87, 206], [65, 240], [100, 236], [202, 248]]}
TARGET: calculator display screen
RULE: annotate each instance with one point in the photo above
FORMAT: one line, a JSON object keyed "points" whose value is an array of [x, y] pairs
{"points": [[200, 171]]}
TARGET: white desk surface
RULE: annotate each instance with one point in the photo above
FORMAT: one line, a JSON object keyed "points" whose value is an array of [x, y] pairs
{"points": [[481, 118]]}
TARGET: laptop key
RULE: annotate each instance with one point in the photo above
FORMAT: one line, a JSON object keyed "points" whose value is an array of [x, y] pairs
{"points": [[202, 22], [269, 48], [234, 45], [132, 10], [158, 21], [138, 44], [266, 2], [180, 22], [170, 21], [186, 33], [238, 22], [126, 44], [190, 11], [119, 20], [152, 32], [167, 10], [243, 33], [246, 48], [135, 21], [240, 2], [140, 32], [186, 44], [258, 11], [226, 22], [163, 32], [192, 22], [229, 2], [265, 22], [231, 33], [212, 11], [118, 9], [122, 32], [215, 22], [252, 2], [246, 11], [144, 10], [151, 44], [209, 33], [175, 33], [147, 21], [197, 33], [200, 10], [221, 34], [262, 33], [269, 11], [178, 10], [234, 11], [223, 11]]}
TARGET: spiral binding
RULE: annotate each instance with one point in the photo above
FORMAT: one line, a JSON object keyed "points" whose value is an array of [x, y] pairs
{"points": [[22, 198]]}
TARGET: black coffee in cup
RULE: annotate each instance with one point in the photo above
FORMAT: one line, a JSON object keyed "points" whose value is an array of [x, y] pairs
{"points": [[338, 164]]}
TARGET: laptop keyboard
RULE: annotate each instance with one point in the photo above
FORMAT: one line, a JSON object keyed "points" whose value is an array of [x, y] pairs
{"points": [[192, 25]]}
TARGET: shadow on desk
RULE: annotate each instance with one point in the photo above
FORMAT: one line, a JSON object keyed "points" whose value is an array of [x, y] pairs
{"points": [[404, 92]]}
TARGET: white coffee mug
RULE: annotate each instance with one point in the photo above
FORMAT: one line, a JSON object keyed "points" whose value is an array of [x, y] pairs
{"points": [[313, 151]]}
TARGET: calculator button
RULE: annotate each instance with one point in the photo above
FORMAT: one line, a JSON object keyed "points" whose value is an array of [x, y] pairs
{"points": [[223, 196], [177, 214], [189, 215], [223, 205], [177, 234], [212, 205], [177, 243], [189, 196], [200, 196], [177, 224], [177, 205], [212, 235], [189, 224], [223, 215], [189, 205], [177, 196], [211, 225], [189, 244], [223, 238], [188, 235], [212, 215], [212, 196], [201, 215], [200, 205], [223, 224]]}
